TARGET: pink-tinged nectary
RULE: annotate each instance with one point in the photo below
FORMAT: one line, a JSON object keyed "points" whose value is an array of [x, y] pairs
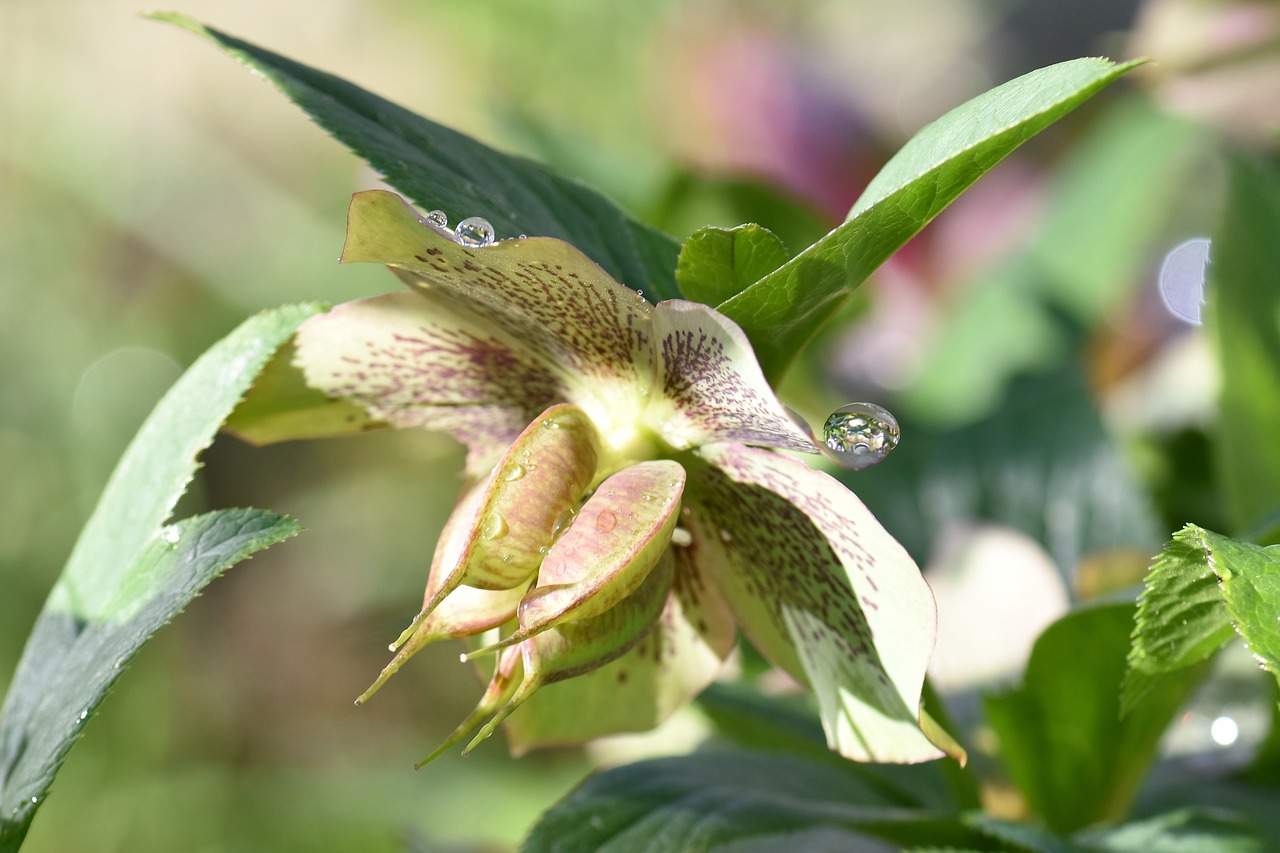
{"points": [[609, 549], [824, 592], [572, 649], [671, 663]]}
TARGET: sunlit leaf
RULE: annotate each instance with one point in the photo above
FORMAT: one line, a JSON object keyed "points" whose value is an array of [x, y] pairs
{"points": [[783, 310], [1202, 587], [718, 263], [128, 575]]}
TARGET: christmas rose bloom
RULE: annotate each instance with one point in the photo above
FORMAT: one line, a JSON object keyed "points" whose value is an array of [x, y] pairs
{"points": [[627, 511]]}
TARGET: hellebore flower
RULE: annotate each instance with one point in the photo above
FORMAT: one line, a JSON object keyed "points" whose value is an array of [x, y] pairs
{"points": [[627, 510]]}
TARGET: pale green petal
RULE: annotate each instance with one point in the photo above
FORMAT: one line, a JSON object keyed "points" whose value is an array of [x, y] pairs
{"points": [[824, 592], [412, 361], [708, 386], [671, 664], [540, 291]]}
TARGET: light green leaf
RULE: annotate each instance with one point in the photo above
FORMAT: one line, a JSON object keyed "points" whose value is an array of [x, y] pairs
{"points": [[1201, 587], [783, 310], [718, 800], [1182, 831], [1245, 317], [718, 263], [127, 575], [440, 168], [1061, 735]]}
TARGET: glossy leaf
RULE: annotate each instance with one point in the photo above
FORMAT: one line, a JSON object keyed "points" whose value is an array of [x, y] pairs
{"points": [[717, 799], [1201, 587], [1061, 735], [783, 310], [440, 168], [127, 575], [1245, 317], [719, 263]]}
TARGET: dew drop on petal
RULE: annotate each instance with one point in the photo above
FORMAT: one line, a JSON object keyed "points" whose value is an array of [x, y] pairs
{"points": [[513, 472], [438, 219], [495, 527], [860, 434], [474, 231], [606, 521]]}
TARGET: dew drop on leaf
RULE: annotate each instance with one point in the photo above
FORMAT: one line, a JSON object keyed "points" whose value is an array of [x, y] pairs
{"points": [[438, 219], [860, 434], [513, 472], [474, 231]]}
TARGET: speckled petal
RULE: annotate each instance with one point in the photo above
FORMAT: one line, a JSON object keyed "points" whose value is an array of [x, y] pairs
{"points": [[825, 593], [413, 361], [709, 387], [541, 291], [672, 663]]}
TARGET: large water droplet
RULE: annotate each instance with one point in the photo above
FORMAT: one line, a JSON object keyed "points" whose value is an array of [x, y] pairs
{"points": [[494, 527], [606, 521], [1182, 278], [474, 231], [860, 434]]}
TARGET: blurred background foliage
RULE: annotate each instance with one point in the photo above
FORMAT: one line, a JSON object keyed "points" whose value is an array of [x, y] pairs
{"points": [[1059, 423]]}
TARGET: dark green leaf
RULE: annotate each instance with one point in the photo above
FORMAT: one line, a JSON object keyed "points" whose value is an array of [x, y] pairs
{"points": [[782, 311], [718, 263], [1201, 587], [1061, 735], [713, 800], [440, 168], [787, 724], [1245, 316], [127, 576]]}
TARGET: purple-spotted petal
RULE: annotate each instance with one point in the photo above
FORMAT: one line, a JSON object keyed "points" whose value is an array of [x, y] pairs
{"points": [[540, 291], [709, 387], [414, 361], [824, 592]]}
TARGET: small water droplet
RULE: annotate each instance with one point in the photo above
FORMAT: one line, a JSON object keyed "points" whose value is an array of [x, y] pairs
{"points": [[551, 423], [860, 434], [84, 715], [646, 497], [606, 521], [495, 527], [474, 231], [514, 472], [681, 538], [1182, 276], [438, 219], [171, 534]]}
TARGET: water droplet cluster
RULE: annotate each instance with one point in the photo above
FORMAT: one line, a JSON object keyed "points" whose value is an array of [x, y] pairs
{"points": [[860, 434], [474, 231]]}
